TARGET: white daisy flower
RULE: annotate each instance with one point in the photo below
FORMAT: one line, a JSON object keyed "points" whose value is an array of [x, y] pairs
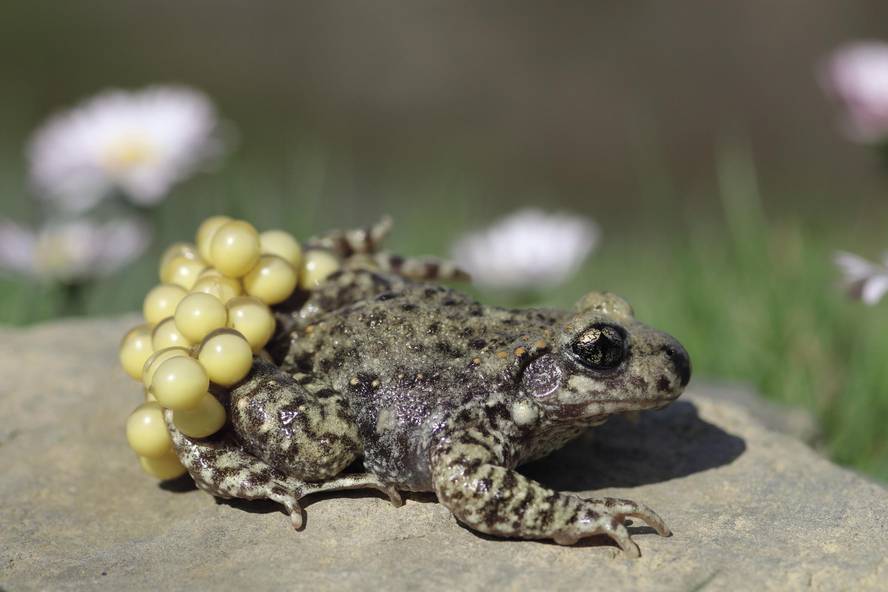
{"points": [[857, 76], [139, 142], [864, 280], [73, 250], [527, 250]]}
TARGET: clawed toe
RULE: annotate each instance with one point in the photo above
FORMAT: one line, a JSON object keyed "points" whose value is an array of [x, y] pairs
{"points": [[297, 517], [628, 509], [393, 495]]}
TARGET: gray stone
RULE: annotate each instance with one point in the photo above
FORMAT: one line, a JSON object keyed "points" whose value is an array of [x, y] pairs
{"points": [[793, 421], [751, 509]]}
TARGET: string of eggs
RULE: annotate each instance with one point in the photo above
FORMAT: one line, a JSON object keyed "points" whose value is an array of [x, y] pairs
{"points": [[204, 322]]}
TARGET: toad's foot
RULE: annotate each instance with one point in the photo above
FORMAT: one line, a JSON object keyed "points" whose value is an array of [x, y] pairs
{"points": [[357, 481], [606, 516], [289, 492]]}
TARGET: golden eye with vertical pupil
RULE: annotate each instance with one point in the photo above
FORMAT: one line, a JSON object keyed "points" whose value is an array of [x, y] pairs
{"points": [[235, 248], [186, 250], [204, 420], [198, 314], [271, 280], [146, 431], [600, 347], [205, 233], [317, 265], [161, 302], [282, 244], [226, 356], [157, 358], [180, 383], [222, 287], [166, 335], [251, 318], [135, 349], [164, 467]]}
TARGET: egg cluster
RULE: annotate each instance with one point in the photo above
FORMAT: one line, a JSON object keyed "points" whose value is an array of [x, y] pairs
{"points": [[204, 323]]}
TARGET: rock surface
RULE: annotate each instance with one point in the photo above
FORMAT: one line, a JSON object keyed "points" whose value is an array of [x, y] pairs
{"points": [[751, 509]]}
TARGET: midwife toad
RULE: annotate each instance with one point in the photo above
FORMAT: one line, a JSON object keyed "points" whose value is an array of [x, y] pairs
{"points": [[434, 392]]}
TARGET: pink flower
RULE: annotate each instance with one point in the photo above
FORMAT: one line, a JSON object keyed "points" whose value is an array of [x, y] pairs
{"points": [[857, 76]]}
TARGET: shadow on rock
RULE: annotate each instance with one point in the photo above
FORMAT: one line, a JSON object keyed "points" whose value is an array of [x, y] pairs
{"points": [[661, 445], [182, 484]]}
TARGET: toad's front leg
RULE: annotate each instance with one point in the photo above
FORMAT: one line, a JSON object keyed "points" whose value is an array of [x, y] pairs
{"points": [[471, 478]]}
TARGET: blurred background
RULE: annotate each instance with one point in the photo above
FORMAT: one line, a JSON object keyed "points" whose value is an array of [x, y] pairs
{"points": [[696, 136]]}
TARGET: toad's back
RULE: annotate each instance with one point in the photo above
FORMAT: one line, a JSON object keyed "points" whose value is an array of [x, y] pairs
{"points": [[405, 358]]}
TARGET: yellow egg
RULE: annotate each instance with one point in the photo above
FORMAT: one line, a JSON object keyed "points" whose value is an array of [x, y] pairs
{"points": [[165, 467], [198, 314], [210, 272], [234, 249], [282, 244], [251, 318], [205, 233], [180, 383], [158, 358], [204, 420], [223, 288], [272, 280], [184, 272], [226, 356], [135, 348], [166, 335], [161, 302], [146, 431], [317, 265], [186, 250]]}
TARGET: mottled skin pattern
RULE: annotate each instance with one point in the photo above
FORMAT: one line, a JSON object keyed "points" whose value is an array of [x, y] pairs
{"points": [[435, 392]]}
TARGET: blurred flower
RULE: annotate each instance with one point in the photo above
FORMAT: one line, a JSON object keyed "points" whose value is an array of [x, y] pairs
{"points": [[527, 250], [857, 76], [71, 251], [864, 280], [140, 142]]}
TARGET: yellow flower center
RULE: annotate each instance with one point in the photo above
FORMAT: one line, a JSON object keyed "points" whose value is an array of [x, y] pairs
{"points": [[54, 255], [129, 151]]}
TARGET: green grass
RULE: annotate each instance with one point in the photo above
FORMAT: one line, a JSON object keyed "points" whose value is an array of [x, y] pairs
{"points": [[752, 295]]}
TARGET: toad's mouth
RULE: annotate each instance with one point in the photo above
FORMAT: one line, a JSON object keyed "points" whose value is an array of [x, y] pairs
{"points": [[593, 410]]}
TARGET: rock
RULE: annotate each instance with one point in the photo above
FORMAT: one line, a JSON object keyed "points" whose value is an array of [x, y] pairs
{"points": [[793, 421], [750, 508]]}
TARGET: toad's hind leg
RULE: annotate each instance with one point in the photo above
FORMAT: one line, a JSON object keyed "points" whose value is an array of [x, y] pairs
{"points": [[310, 435], [346, 243], [220, 466], [223, 469], [422, 269], [361, 248]]}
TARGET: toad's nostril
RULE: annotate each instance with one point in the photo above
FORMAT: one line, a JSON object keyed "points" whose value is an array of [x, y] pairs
{"points": [[681, 361]]}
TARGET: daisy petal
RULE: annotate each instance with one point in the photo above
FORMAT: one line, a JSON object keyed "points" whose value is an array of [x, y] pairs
{"points": [[874, 289], [141, 143], [527, 250], [16, 247]]}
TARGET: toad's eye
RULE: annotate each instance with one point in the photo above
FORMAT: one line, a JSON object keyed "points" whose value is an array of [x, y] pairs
{"points": [[600, 347]]}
